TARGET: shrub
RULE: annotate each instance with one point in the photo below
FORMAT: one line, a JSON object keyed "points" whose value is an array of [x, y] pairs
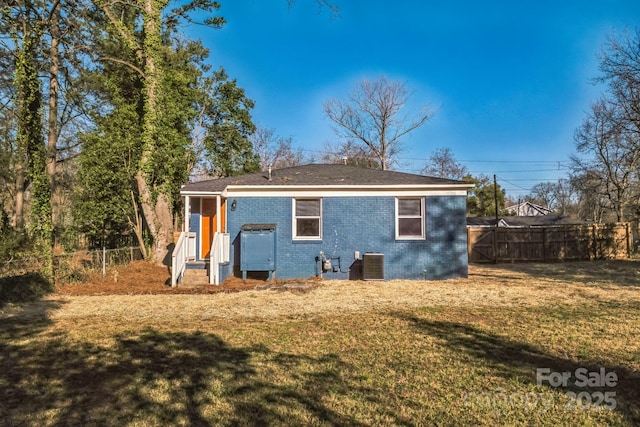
{"points": [[23, 288]]}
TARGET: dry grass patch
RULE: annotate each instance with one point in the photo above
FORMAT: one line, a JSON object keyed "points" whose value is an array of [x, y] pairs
{"points": [[458, 352], [495, 286]]}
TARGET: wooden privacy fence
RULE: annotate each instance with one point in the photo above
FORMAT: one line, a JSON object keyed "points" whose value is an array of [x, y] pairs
{"points": [[549, 243]]}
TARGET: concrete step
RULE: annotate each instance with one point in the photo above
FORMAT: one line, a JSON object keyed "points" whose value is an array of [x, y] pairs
{"points": [[193, 277]]}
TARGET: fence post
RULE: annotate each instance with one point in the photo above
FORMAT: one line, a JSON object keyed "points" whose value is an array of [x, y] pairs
{"points": [[104, 261], [594, 242], [628, 237], [495, 244]]}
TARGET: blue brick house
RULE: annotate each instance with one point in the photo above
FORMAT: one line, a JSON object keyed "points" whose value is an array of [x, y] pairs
{"points": [[333, 221]]}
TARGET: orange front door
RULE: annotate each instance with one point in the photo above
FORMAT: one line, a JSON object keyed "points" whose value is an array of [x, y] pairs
{"points": [[208, 226], [209, 222]]}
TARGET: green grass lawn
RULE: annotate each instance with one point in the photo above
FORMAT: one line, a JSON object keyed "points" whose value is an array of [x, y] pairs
{"points": [[466, 364]]}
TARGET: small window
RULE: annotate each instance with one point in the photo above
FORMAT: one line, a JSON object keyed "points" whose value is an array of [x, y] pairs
{"points": [[307, 215], [410, 218]]}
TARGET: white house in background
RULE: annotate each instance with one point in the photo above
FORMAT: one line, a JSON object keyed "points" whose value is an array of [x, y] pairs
{"points": [[528, 209]]}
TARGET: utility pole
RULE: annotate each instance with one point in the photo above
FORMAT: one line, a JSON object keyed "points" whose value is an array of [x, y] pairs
{"points": [[495, 198]]}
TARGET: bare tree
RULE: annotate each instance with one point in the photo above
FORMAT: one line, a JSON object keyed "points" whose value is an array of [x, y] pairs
{"points": [[350, 153], [334, 10], [591, 195], [609, 138], [559, 196], [565, 195], [275, 151], [544, 194], [606, 174], [613, 155], [442, 164], [371, 116], [620, 68]]}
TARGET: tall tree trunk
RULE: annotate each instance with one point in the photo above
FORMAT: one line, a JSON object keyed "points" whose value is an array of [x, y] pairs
{"points": [[159, 219], [30, 141], [52, 120], [156, 205], [18, 211]]}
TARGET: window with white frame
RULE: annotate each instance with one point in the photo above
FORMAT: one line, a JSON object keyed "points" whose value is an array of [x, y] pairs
{"points": [[307, 219], [410, 218]]}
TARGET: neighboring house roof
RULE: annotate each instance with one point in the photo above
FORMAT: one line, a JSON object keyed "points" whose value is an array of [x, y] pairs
{"points": [[324, 176], [528, 209], [522, 221]]}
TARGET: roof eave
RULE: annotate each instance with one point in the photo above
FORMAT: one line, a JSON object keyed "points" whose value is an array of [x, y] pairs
{"points": [[200, 193], [337, 188]]}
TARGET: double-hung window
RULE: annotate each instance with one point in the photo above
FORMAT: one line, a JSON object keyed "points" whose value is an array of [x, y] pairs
{"points": [[410, 218], [307, 219]]}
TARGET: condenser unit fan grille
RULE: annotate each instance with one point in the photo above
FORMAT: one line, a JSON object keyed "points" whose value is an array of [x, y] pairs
{"points": [[373, 266]]}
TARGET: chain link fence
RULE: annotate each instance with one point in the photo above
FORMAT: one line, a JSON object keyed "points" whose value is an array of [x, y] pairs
{"points": [[72, 266]]}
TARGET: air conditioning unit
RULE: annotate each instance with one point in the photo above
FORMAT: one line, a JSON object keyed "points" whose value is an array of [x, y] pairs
{"points": [[373, 266]]}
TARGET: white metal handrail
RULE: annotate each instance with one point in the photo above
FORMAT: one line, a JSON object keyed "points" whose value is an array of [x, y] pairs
{"points": [[219, 254], [179, 259]]}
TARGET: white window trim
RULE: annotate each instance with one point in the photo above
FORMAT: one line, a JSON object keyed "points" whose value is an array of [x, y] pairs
{"points": [[422, 219], [294, 222]]}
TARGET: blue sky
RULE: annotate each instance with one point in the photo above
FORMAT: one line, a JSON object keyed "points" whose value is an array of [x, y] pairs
{"points": [[509, 80]]}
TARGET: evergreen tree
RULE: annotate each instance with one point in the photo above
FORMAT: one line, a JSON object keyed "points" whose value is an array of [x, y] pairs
{"points": [[227, 125], [481, 200]]}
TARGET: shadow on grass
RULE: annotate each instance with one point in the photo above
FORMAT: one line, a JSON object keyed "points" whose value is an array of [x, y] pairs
{"points": [[166, 378], [24, 288], [606, 272], [513, 359]]}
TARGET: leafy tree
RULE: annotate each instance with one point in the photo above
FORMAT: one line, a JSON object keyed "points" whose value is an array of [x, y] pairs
{"points": [[24, 24], [65, 54], [7, 150], [227, 125], [163, 162], [103, 204], [117, 85], [108, 162], [371, 116], [41, 52], [138, 102], [481, 200], [442, 164]]}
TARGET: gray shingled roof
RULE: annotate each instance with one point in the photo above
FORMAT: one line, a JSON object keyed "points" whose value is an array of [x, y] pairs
{"points": [[524, 221], [321, 175]]}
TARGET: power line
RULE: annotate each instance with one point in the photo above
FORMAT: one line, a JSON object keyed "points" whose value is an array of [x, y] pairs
{"points": [[518, 187], [560, 163], [514, 184], [515, 161], [524, 171]]}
